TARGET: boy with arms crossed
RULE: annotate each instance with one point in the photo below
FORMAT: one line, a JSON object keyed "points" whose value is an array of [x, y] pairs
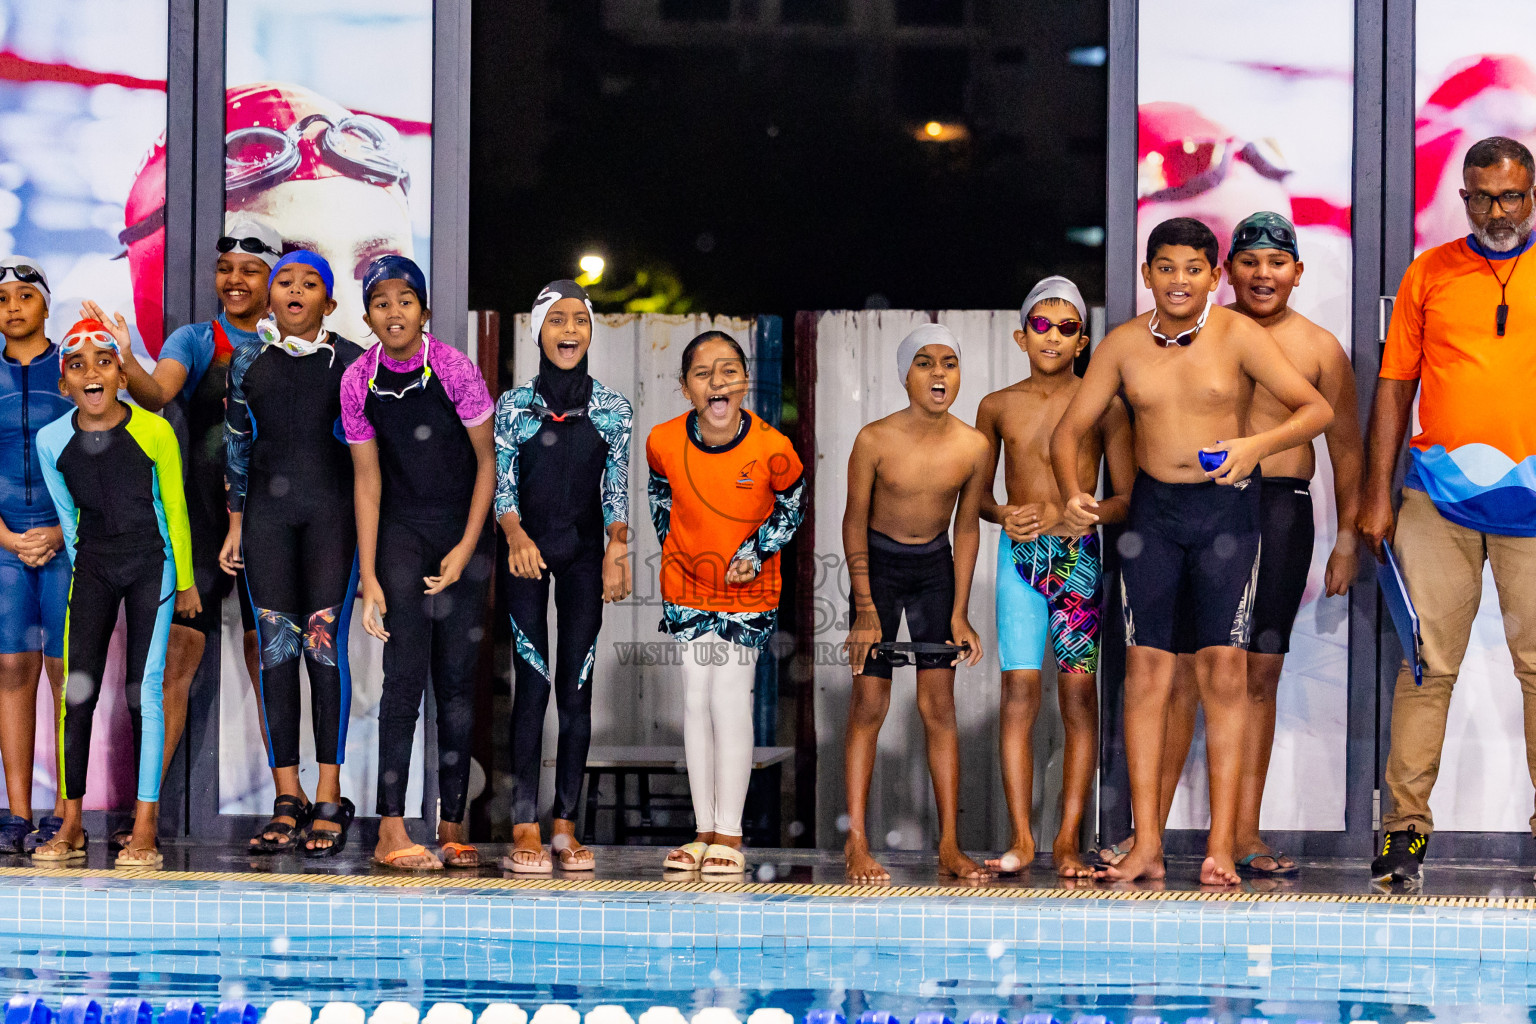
{"points": [[1048, 573], [1188, 372], [909, 474]]}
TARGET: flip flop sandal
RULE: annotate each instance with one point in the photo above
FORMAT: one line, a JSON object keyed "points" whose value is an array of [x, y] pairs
{"points": [[14, 830], [1245, 866], [47, 827], [391, 859], [288, 837], [127, 859], [718, 851], [694, 850], [1093, 860], [1115, 853], [47, 856], [566, 855], [340, 814], [542, 866], [451, 852]]}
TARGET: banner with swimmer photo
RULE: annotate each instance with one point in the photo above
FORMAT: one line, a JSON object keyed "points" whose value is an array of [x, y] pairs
{"points": [[328, 138], [1234, 120], [82, 99]]}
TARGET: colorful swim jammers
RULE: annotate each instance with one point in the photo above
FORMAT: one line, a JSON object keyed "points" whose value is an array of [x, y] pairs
{"points": [[1049, 588]]}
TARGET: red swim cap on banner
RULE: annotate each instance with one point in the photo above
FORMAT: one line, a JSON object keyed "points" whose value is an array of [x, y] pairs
{"points": [[1181, 153], [273, 133], [1493, 94]]}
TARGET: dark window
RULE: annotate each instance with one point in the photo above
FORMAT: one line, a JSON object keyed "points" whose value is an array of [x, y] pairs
{"points": [[696, 10], [930, 12], [930, 84], [813, 12]]}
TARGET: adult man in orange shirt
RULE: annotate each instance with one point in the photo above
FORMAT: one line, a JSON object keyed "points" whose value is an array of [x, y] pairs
{"points": [[1463, 326]]}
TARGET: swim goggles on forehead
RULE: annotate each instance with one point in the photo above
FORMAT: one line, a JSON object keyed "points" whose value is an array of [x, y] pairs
{"points": [[1068, 328], [420, 383], [1188, 167], [73, 343], [360, 146], [25, 273], [254, 246], [1245, 237]]}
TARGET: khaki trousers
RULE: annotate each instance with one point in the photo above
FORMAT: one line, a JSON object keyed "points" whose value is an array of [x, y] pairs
{"points": [[1442, 564]]}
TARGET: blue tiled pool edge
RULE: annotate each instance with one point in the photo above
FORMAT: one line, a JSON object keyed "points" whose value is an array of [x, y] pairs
{"points": [[104, 907]]}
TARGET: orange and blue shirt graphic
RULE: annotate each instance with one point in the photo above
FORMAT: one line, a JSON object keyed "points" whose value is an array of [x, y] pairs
{"points": [[713, 505], [1475, 452]]}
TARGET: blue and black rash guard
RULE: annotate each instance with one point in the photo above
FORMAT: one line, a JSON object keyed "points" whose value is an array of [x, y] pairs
{"points": [[29, 400], [120, 502], [289, 473], [563, 474], [295, 403]]}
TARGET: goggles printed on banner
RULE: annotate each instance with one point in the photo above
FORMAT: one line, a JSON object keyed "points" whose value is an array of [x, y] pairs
{"points": [[360, 146], [420, 383], [1187, 167], [73, 343]]}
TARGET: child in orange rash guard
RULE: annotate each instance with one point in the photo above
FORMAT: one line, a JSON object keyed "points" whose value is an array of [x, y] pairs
{"points": [[727, 492]]}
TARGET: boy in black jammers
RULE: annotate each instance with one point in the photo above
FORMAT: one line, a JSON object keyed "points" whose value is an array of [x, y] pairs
{"points": [[1187, 371], [909, 475]]}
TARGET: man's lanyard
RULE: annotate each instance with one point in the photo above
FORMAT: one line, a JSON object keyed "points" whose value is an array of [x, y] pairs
{"points": [[1502, 316]]}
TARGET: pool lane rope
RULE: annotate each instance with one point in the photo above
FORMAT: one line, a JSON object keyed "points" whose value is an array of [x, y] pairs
{"points": [[28, 1009]]}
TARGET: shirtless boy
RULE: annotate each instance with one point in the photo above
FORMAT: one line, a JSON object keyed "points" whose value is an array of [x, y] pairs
{"points": [[1264, 266], [1188, 372], [909, 475], [1048, 574]]}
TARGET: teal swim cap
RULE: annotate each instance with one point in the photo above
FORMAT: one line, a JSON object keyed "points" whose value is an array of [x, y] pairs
{"points": [[1264, 230]]}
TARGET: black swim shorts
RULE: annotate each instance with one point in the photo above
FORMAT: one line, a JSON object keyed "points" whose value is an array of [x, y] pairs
{"points": [[1190, 551], [918, 579]]}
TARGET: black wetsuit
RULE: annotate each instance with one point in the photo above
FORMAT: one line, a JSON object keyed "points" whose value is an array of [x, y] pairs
{"points": [[289, 471], [427, 466], [562, 443]]}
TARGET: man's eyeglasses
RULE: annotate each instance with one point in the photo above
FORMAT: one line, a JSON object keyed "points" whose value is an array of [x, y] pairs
{"points": [[254, 246], [1067, 328], [1481, 203]]}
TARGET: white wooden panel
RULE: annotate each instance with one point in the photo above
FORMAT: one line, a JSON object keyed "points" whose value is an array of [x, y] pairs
{"points": [[857, 383]]}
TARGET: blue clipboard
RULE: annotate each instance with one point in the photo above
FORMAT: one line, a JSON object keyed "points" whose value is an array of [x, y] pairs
{"points": [[1400, 607]]}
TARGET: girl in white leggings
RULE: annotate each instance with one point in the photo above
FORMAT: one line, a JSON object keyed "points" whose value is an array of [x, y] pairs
{"points": [[726, 493]]}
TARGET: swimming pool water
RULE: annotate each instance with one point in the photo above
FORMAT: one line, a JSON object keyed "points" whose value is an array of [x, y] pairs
{"points": [[369, 970]]}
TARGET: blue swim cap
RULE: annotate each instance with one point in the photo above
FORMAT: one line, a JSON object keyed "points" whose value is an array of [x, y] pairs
{"points": [[313, 260], [394, 267]]}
